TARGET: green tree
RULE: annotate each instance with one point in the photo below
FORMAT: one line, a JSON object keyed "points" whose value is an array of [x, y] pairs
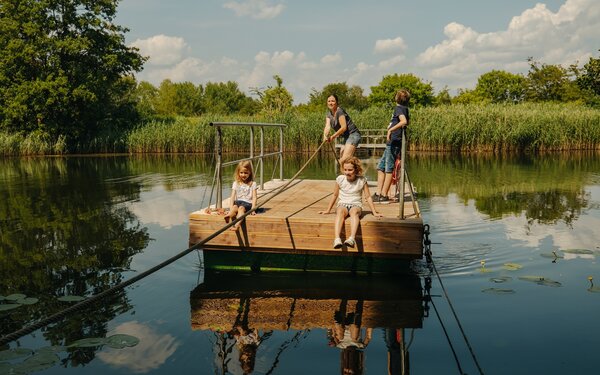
{"points": [[383, 94], [146, 94], [349, 96], [62, 65], [550, 83], [226, 98], [588, 80], [466, 96], [181, 98], [443, 97], [499, 86], [276, 98]]}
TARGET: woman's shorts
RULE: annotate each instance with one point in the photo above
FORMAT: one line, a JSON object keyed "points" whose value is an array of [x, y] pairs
{"points": [[246, 205], [386, 163], [352, 139]]}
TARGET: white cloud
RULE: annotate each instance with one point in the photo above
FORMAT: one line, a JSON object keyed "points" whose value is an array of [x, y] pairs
{"points": [[162, 49], [561, 37], [332, 59], [389, 45], [259, 9], [149, 354]]}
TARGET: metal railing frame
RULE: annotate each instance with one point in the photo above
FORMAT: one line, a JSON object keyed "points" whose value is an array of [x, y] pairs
{"points": [[403, 179], [252, 157]]}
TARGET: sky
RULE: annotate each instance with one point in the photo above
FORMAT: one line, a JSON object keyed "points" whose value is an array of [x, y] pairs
{"points": [[310, 44]]}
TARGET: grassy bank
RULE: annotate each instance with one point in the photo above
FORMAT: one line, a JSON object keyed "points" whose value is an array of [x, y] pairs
{"points": [[524, 127]]}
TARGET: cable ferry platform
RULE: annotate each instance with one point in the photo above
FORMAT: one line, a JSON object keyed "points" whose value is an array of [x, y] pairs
{"points": [[290, 234]]}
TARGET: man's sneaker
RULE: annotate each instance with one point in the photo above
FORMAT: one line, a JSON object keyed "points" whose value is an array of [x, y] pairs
{"points": [[383, 199], [376, 198], [337, 243], [350, 242]]}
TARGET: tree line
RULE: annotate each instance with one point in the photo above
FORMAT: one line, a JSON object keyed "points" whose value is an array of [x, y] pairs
{"points": [[65, 71]]}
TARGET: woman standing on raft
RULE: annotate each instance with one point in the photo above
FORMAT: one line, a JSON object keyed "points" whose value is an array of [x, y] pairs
{"points": [[338, 120]]}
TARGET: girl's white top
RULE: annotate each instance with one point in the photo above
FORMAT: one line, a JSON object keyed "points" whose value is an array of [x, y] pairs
{"points": [[243, 192], [350, 192]]}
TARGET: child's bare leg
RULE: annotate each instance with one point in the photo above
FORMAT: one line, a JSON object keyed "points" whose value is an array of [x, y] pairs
{"points": [[340, 216], [232, 213], [240, 212], [354, 221]]}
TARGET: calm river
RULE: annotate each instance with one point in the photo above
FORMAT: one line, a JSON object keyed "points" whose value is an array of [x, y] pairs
{"points": [[516, 241]]}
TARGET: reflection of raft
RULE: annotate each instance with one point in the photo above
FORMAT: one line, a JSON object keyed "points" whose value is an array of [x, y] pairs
{"points": [[291, 234], [302, 301]]}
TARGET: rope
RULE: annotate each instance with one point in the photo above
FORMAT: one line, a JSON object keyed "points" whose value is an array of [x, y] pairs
{"points": [[462, 331], [447, 337], [80, 305]]}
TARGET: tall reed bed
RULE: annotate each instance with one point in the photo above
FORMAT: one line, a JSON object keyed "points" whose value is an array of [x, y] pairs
{"points": [[499, 128], [524, 127], [32, 144]]}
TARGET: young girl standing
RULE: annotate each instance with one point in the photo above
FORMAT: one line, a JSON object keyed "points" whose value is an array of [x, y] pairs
{"points": [[350, 187], [243, 192]]}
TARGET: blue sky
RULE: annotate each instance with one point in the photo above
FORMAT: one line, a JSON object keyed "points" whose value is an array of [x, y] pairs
{"points": [[312, 43]]}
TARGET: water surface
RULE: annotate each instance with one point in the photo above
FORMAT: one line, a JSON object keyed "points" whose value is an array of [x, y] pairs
{"points": [[515, 241]]}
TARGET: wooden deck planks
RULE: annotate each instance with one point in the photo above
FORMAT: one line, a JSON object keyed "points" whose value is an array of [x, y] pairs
{"points": [[291, 222]]}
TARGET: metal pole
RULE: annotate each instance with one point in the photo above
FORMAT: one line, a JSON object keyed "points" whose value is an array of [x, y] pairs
{"points": [[262, 153], [281, 154], [219, 166], [401, 190]]}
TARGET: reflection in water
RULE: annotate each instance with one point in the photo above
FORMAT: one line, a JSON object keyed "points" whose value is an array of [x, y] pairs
{"points": [[63, 234], [547, 189], [244, 310], [153, 350]]}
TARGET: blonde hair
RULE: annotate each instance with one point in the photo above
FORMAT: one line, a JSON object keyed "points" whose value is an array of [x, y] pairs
{"points": [[355, 162], [244, 164]]}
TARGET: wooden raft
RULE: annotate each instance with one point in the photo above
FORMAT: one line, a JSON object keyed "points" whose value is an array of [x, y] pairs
{"points": [[291, 224]]}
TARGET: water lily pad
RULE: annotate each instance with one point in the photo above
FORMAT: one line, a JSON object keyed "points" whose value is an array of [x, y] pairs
{"points": [[10, 354], [15, 297], [9, 306], [500, 279], [541, 280], [52, 349], [71, 298], [594, 289], [484, 270], [512, 266], [39, 362], [28, 301], [12, 369], [578, 251], [90, 342], [498, 291], [120, 341]]}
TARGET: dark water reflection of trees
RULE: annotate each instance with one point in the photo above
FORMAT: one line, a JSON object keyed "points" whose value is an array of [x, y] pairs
{"points": [[64, 229], [544, 188], [63, 234]]}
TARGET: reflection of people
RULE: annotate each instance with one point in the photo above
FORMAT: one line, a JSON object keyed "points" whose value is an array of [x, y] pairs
{"points": [[350, 187], [243, 192], [247, 342], [348, 335], [338, 120], [397, 354], [400, 120]]}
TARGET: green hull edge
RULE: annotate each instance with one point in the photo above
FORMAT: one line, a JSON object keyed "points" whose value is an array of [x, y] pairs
{"points": [[220, 260]]}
